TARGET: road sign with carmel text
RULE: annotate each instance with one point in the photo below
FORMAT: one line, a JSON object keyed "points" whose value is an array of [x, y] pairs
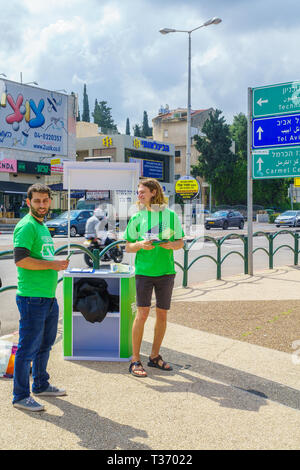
{"points": [[276, 162]]}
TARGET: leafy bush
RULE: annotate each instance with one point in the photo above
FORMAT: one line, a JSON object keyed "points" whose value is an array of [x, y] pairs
{"points": [[272, 217]]}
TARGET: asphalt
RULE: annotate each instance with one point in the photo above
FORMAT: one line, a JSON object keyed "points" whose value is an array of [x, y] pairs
{"points": [[222, 393]]}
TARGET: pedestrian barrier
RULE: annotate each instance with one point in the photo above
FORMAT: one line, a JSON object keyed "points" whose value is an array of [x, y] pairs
{"points": [[271, 252], [96, 255], [219, 242], [218, 260]]}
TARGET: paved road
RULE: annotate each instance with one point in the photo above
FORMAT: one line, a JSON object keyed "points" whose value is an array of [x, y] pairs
{"points": [[202, 270]]}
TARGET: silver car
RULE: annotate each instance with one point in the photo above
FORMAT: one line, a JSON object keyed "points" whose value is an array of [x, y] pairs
{"points": [[289, 218]]}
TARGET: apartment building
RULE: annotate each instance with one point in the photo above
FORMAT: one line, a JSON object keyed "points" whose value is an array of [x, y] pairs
{"points": [[171, 126]]}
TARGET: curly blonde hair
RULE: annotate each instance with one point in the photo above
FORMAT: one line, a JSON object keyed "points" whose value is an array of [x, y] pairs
{"points": [[158, 201]]}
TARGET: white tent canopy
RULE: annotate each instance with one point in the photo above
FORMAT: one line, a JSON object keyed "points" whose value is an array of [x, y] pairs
{"points": [[99, 176]]}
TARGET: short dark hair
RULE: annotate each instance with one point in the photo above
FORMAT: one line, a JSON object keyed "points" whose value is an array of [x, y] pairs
{"points": [[38, 188]]}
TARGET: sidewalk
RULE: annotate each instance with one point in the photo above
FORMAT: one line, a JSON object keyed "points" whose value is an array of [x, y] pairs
{"points": [[222, 393]]}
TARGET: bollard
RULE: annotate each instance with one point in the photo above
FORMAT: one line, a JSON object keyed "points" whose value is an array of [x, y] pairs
{"points": [[218, 260], [185, 266], [96, 262], [271, 245], [246, 270], [296, 249]]}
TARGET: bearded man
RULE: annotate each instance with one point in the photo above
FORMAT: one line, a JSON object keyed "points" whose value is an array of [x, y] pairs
{"points": [[36, 301]]}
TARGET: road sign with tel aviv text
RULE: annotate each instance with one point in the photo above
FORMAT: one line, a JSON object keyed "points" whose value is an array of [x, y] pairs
{"points": [[271, 100], [276, 131]]}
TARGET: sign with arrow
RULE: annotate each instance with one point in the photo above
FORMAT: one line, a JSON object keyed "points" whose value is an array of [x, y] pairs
{"points": [[276, 131], [276, 99], [277, 162]]}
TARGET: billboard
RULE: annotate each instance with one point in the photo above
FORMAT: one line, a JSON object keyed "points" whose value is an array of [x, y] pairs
{"points": [[149, 168], [33, 119]]}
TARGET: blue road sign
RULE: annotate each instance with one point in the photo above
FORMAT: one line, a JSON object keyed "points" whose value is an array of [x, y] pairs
{"points": [[279, 131]]}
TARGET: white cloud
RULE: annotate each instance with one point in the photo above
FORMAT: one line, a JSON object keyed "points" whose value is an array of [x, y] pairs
{"points": [[116, 49]]}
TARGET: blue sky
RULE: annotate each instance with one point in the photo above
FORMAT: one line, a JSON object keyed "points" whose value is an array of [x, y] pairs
{"points": [[116, 49]]}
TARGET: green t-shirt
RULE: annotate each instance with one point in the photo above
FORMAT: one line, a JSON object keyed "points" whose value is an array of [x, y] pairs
{"points": [[30, 234], [150, 225]]}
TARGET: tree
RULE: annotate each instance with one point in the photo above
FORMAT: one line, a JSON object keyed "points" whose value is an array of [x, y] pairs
{"points": [[127, 127], [102, 116], [227, 171], [238, 131], [146, 130], [96, 114], [267, 192], [216, 160], [137, 131], [86, 108]]}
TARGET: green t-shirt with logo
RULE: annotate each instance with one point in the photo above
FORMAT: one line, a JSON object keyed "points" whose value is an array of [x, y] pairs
{"points": [[154, 225], [35, 236]]}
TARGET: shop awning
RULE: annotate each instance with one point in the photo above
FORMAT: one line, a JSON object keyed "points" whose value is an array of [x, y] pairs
{"points": [[15, 188]]}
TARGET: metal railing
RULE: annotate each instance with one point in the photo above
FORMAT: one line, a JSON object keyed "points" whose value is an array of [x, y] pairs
{"points": [[218, 260], [96, 255], [271, 252]]}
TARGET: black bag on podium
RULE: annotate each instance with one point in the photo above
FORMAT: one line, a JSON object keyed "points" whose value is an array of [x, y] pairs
{"points": [[91, 298]]}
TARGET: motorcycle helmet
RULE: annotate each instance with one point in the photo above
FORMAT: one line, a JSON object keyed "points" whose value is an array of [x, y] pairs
{"points": [[99, 213]]}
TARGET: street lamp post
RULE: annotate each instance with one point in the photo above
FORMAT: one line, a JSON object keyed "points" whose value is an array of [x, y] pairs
{"points": [[188, 131], [29, 83]]}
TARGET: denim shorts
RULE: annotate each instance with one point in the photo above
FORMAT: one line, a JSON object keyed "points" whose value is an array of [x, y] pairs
{"points": [[163, 288]]}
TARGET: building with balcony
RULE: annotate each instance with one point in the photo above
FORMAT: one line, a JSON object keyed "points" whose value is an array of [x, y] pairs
{"points": [[171, 126]]}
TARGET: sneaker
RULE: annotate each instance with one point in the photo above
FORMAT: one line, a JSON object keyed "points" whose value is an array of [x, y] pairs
{"points": [[28, 404], [51, 391]]}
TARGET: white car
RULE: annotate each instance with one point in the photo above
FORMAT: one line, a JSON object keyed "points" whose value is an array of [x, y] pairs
{"points": [[289, 218]]}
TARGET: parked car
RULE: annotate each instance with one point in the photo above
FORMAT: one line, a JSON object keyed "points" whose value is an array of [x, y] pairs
{"points": [[289, 218], [78, 218], [224, 219]]}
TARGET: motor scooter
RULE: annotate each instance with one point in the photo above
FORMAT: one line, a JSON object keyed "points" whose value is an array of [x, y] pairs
{"points": [[113, 254]]}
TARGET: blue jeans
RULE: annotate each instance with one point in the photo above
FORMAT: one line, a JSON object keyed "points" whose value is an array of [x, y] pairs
{"points": [[37, 333]]}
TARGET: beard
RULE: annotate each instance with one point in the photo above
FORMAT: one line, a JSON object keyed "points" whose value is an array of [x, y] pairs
{"points": [[37, 213]]}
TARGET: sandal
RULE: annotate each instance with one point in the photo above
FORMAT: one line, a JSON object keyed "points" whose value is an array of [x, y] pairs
{"points": [[155, 363], [138, 367]]}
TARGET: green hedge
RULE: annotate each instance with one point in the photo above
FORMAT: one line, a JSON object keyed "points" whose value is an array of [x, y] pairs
{"points": [[272, 217]]}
